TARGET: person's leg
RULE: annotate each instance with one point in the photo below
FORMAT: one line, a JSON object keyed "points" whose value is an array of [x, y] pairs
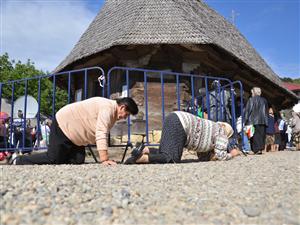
{"points": [[266, 145], [277, 141], [251, 143], [57, 153], [77, 155], [266, 148], [273, 143], [172, 141], [156, 156], [273, 148], [246, 145], [2, 143], [259, 138], [282, 141], [17, 139], [21, 143]]}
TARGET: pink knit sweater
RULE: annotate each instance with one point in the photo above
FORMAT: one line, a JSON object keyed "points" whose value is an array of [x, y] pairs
{"points": [[88, 121]]}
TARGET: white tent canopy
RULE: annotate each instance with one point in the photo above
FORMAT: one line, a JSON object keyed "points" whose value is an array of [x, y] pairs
{"points": [[5, 106]]}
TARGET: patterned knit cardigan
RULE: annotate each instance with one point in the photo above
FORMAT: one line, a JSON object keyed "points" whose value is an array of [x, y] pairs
{"points": [[204, 135]]}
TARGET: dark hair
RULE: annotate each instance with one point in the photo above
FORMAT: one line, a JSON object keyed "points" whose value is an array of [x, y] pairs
{"points": [[130, 105]]}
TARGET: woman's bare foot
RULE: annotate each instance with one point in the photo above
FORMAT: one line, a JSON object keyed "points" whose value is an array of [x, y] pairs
{"points": [[146, 151], [143, 159]]}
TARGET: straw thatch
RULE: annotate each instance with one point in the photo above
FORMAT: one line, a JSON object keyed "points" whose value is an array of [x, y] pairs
{"points": [[144, 22]]}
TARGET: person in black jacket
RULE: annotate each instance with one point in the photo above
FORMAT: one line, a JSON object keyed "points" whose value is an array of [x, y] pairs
{"points": [[256, 114]]}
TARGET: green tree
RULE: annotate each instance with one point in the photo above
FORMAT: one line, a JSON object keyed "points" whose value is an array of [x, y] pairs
{"points": [[287, 79], [290, 80], [297, 81], [12, 71]]}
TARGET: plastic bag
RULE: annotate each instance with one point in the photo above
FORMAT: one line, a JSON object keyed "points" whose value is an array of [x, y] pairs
{"points": [[249, 130]]}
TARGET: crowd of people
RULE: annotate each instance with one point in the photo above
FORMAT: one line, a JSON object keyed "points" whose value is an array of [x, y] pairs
{"points": [[88, 122], [16, 134], [271, 132]]}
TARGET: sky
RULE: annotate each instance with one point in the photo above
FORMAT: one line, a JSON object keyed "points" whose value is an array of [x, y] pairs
{"points": [[45, 31]]}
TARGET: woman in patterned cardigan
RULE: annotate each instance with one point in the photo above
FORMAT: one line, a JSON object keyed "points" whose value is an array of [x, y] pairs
{"points": [[185, 130]]}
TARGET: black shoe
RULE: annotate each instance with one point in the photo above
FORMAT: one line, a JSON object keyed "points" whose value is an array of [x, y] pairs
{"points": [[137, 151], [254, 153], [130, 160], [250, 153]]}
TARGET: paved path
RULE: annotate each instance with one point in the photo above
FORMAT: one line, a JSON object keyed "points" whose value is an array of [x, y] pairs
{"points": [[247, 190]]}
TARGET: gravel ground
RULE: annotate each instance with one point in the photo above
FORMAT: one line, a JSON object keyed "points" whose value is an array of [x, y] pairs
{"points": [[247, 190]]}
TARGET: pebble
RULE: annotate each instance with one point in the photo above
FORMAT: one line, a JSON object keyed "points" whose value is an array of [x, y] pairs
{"points": [[246, 190], [251, 211], [107, 212]]}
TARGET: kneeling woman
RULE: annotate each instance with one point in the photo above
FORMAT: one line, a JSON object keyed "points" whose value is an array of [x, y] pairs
{"points": [[185, 130]]}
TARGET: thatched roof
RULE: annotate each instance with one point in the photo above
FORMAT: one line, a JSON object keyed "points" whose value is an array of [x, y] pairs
{"points": [[128, 22]]}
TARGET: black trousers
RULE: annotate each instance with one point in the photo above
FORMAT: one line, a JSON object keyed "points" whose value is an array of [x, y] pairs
{"points": [[2, 142], [173, 139], [259, 138], [60, 151], [283, 140]]}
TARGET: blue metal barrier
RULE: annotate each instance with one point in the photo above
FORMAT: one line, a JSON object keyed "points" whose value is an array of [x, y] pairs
{"points": [[224, 84], [54, 78], [241, 108], [211, 101]]}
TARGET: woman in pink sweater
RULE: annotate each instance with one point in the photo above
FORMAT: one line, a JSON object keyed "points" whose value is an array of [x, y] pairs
{"points": [[78, 125]]}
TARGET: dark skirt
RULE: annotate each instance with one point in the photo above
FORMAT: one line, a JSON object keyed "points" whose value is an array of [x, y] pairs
{"points": [[259, 138]]}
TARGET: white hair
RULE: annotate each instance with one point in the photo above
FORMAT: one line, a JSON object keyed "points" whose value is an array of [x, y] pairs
{"points": [[256, 91]]}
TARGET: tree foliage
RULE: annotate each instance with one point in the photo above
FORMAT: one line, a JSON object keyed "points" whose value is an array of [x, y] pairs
{"points": [[290, 80], [297, 81], [12, 71]]}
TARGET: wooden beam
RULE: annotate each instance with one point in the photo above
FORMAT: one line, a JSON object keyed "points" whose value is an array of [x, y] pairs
{"points": [[193, 48], [220, 58]]}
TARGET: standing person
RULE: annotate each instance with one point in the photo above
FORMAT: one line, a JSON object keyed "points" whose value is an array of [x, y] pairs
{"points": [[80, 124], [289, 135], [283, 136], [270, 131], [296, 129], [3, 130], [45, 131], [256, 114], [185, 130], [18, 130], [277, 132]]}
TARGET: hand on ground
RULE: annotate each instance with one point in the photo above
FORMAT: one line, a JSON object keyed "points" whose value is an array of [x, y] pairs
{"points": [[235, 152]]}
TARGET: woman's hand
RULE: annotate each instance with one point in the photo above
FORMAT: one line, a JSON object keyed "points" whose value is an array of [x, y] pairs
{"points": [[235, 152]]}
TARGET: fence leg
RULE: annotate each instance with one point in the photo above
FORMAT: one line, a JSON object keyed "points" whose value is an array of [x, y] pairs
{"points": [[91, 151], [126, 148]]}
